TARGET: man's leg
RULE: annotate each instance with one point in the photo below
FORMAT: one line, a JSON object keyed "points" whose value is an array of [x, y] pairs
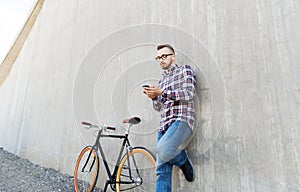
{"points": [[164, 173], [169, 142], [164, 176], [183, 161], [168, 148]]}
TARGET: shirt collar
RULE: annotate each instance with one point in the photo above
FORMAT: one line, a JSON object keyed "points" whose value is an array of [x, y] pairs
{"points": [[170, 70]]}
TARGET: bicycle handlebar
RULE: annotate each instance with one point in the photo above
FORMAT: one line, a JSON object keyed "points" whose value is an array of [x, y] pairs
{"points": [[86, 123], [96, 126]]}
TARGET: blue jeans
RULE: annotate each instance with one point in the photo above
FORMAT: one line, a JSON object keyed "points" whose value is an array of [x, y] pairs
{"points": [[169, 154]]}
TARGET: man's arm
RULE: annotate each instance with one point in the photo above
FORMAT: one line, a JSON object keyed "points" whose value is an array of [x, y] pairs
{"points": [[157, 103], [154, 93], [186, 91]]}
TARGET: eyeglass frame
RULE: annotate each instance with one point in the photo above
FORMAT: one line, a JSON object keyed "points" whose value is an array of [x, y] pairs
{"points": [[163, 57]]}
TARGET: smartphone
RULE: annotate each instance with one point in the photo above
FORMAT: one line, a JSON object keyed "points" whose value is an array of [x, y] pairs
{"points": [[145, 86]]}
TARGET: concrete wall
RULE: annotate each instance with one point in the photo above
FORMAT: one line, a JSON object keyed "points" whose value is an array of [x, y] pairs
{"points": [[86, 60]]}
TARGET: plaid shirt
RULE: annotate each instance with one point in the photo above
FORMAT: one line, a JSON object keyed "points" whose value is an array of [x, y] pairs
{"points": [[177, 100]]}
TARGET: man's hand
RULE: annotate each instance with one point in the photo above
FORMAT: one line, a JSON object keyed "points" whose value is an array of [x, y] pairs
{"points": [[153, 91]]}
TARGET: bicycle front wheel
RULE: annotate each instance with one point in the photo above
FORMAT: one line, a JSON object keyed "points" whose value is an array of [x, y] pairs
{"points": [[137, 171], [86, 170]]}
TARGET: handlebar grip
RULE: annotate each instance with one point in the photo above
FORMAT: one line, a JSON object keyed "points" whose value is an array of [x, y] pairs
{"points": [[111, 128], [86, 123]]}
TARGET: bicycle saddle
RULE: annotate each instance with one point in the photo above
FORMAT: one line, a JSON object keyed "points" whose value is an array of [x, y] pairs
{"points": [[132, 120]]}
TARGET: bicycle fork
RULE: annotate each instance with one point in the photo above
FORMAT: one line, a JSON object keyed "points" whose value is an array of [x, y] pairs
{"points": [[86, 162]]}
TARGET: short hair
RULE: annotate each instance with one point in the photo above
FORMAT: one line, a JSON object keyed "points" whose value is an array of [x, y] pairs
{"points": [[165, 45]]}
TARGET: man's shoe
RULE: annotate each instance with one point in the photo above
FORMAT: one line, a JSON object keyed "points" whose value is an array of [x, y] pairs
{"points": [[188, 170]]}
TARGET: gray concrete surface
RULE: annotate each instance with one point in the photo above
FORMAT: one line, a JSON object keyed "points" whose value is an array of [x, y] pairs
{"points": [[86, 60]]}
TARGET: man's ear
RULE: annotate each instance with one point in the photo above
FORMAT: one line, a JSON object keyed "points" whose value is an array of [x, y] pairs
{"points": [[173, 57]]}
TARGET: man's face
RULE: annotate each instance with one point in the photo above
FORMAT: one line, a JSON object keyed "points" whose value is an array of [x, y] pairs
{"points": [[165, 57]]}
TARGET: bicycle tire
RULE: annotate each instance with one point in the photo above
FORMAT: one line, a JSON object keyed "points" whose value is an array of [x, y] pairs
{"points": [[86, 170], [146, 170]]}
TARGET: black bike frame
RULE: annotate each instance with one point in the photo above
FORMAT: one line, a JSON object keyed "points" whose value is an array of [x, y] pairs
{"points": [[97, 145]]}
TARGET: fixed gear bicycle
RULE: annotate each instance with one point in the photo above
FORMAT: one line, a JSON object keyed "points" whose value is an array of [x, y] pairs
{"points": [[134, 169]]}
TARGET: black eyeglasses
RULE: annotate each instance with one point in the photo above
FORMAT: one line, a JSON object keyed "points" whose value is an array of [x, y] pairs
{"points": [[162, 57]]}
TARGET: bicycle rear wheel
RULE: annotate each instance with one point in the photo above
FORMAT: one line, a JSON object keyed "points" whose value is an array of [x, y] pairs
{"points": [[137, 171], [86, 170]]}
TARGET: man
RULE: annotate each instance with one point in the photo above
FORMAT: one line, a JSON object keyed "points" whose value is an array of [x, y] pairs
{"points": [[174, 99]]}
